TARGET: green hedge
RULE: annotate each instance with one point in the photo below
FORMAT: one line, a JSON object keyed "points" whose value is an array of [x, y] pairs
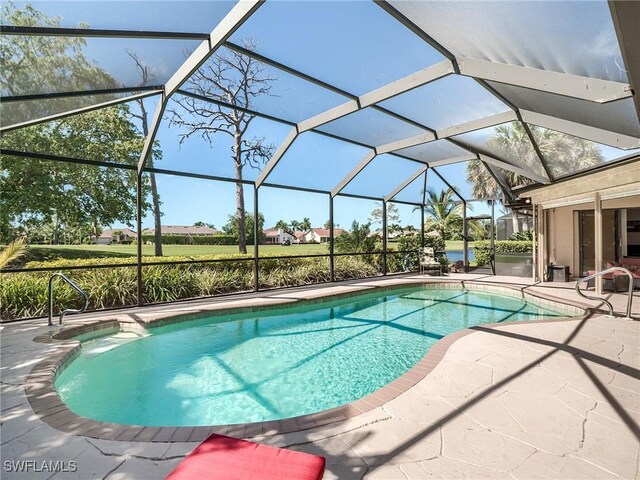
{"points": [[193, 240], [25, 294], [481, 249], [215, 240]]}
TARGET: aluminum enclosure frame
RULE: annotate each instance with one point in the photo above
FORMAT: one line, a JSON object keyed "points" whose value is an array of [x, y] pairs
{"points": [[591, 89]]}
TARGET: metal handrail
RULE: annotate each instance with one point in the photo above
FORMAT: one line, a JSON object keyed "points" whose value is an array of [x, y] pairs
{"points": [[68, 310], [604, 272]]}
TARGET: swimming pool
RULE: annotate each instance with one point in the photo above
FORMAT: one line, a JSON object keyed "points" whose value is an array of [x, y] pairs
{"points": [[274, 364]]}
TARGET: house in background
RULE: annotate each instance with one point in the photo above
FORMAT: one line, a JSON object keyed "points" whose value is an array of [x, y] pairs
{"points": [[116, 235], [277, 236], [321, 235]]}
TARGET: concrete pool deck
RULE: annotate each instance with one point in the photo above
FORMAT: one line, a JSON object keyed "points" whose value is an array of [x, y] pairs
{"points": [[546, 400]]}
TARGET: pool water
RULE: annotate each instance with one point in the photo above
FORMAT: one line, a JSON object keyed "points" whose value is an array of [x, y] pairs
{"points": [[282, 363]]}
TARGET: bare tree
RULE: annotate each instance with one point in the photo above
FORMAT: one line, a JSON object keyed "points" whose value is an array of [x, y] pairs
{"points": [[144, 120], [234, 79]]}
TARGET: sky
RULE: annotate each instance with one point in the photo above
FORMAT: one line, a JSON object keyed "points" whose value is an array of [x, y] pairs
{"points": [[380, 50]]}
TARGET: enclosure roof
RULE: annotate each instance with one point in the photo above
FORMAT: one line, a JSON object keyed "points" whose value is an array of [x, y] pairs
{"points": [[372, 99]]}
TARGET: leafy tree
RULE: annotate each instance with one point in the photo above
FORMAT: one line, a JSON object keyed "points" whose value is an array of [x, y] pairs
{"points": [[393, 215], [200, 223], [42, 64], [64, 199], [527, 235], [236, 79], [231, 228], [357, 240], [327, 225], [442, 214], [69, 194]]}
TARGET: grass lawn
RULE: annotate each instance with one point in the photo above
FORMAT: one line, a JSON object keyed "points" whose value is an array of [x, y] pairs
{"points": [[457, 244], [53, 252]]}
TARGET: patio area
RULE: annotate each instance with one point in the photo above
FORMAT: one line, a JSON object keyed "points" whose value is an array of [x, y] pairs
{"points": [[529, 400]]}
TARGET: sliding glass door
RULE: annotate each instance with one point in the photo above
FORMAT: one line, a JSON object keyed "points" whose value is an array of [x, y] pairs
{"points": [[610, 239]]}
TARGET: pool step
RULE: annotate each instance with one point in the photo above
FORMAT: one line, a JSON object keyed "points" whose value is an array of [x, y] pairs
{"points": [[104, 344]]}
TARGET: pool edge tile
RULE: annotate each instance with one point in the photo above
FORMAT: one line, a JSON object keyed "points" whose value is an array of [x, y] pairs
{"points": [[50, 409]]}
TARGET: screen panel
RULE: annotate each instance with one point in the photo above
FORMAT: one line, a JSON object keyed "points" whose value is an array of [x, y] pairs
{"points": [[236, 78], [566, 154], [619, 116], [434, 151], [413, 192], [165, 15], [457, 174], [192, 211], [296, 223], [12, 113], [379, 49], [568, 37], [66, 212], [361, 236], [509, 142], [191, 141], [316, 161], [110, 134], [447, 102], [381, 176], [72, 64], [371, 127]]}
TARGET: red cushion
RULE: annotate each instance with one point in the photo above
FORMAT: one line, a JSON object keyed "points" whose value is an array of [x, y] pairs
{"points": [[225, 458]]}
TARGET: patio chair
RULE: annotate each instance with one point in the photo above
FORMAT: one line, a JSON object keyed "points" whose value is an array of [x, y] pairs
{"points": [[428, 261]]}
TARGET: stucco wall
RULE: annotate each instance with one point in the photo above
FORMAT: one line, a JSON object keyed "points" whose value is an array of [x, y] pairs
{"points": [[562, 230], [615, 180], [561, 237], [618, 186]]}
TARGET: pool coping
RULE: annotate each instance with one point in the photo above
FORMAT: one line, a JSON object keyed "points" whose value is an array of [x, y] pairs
{"points": [[49, 407]]}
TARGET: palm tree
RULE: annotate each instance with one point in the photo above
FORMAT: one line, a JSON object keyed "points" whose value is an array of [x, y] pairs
{"points": [[12, 251], [441, 212], [295, 225], [282, 225], [305, 225], [566, 154], [563, 153], [357, 240]]}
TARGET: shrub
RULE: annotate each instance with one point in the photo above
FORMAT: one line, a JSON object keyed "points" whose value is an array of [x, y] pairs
{"points": [[524, 235], [353, 267], [482, 249], [410, 262], [25, 294], [212, 282]]}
